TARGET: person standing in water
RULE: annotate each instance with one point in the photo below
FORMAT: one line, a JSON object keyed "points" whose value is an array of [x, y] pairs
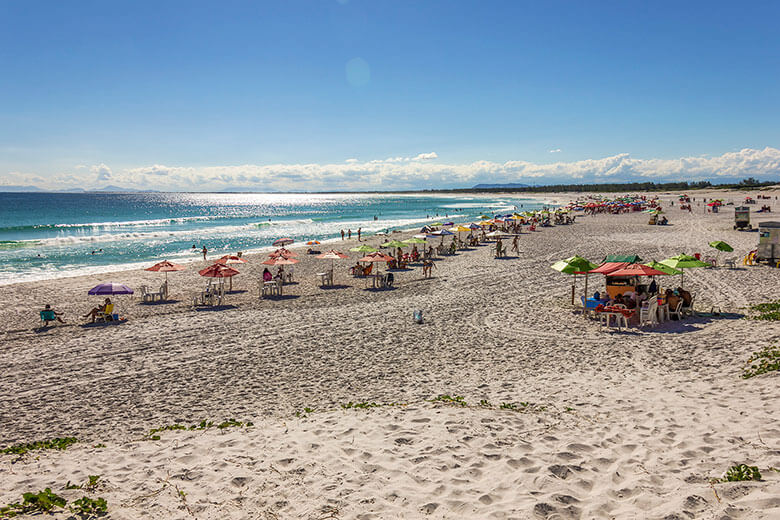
{"points": [[360, 229], [204, 252], [349, 233]]}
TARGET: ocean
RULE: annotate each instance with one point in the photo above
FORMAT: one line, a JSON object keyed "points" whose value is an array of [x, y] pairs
{"points": [[50, 235]]}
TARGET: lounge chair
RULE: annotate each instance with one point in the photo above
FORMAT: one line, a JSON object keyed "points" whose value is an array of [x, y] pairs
{"points": [[107, 315], [47, 316]]}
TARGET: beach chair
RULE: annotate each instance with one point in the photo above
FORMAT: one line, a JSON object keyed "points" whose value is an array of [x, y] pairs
{"points": [[648, 315], [107, 315], [326, 278], [730, 262], [687, 310], [47, 316], [676, 311], [388, 281]]}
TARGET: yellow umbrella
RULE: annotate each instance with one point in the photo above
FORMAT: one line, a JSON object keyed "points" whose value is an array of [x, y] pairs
{"points": [[459, 229]]}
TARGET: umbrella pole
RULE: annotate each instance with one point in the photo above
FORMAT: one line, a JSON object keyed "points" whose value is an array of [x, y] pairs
{"points": [[573, 284], [584, 303]]}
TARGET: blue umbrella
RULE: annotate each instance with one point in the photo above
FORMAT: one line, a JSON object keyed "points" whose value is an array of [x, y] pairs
{"points": [[440, 233], [110, 288]]}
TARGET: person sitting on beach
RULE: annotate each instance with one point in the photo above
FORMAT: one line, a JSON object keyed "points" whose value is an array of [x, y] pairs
{"points": [[672, 299], [267, 276], [618, 300], [280, 274], [98, 310], [685, 296], [48, 312], [597, 295], [653, 289]]}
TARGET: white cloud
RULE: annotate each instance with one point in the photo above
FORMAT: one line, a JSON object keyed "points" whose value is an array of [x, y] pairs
{"points": [[411, 173], [351, 161], [556, 150]]}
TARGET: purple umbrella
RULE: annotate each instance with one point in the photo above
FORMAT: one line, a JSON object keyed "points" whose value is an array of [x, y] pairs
{"points": [[110, 288], [449, 223]]}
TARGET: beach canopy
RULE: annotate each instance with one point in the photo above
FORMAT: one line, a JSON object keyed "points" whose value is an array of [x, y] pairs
{"points": [[637, 270], [218, 271], [376, 257], [721, 246], [231, 259], [285, 253], [283, 242], [474, 225], [663, 267], [395, 243], [110, 288], [165, 266], [574, 265], [460, 229], [365, 248], [440, 233], [629, 259], [609, 267], [280, 260]]}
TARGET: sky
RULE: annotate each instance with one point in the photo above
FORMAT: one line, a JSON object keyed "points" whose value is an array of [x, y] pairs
{"points": [[385, 94]]}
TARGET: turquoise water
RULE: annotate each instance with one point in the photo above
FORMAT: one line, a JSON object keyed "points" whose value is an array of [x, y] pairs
{"points": [[48, 235]]}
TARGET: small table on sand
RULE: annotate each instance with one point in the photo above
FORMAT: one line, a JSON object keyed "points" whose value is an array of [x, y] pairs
{"points": [[377, 280]]}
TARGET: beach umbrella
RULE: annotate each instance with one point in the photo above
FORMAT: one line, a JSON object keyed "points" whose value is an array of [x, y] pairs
{"points": [[474, 226], [280, 260], [231, 259], [165, 267], [283, 242], [637, 270], [436, 224], [365, 248], [313, 243], [220, 271], [683, 262], [110, 288], [414, 240], [285, 253], [575, 265], [662, 267], [484, 217], [376, 257], [394, 243], [449, 224], [332, 255], [721, 246]]}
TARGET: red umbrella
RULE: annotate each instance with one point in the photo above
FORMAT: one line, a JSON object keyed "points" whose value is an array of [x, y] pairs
{"points": [[286, 253], [608, 267], [220, 271], [231, 259], [283, 242], [376, 257], [637, 270], [332, 255], [165, 267], [280, 260]]}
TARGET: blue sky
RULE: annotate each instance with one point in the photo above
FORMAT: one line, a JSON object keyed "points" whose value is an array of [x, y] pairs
{"points": [[282, 94]]}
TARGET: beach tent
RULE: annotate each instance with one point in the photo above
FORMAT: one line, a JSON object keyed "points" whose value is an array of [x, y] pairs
{"points": [[629, 259]]}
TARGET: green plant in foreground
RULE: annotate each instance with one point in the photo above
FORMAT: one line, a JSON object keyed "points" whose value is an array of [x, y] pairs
{"points": [[766, 307], [741, 472], [86, 507], [761, 362], [364, 405], [508, 406], [484, 403], [456, 400], [60, 443], [42, 502], [203, 425]]}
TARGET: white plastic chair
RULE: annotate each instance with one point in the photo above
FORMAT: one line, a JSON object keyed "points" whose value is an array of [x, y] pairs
{"points": [[649, 315], [676, 311]]}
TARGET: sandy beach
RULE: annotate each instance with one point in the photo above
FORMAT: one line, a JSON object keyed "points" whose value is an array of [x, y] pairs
{"points": [[595, 423]]}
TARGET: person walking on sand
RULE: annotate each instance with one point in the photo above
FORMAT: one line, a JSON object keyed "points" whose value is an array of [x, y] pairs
{"points": [[515, 246], [349, 233], [359, 231], [428, 266], [204, 252], [342, 234]]}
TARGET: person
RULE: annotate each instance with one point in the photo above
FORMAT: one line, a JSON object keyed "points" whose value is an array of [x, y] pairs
{"points": [[47, 308], [267, 276], [515, 245], [618, 300], [360, 229], [428, 266], [204, 251], [349, 233], [342, 234], [193, 246], [597, 295], [672, 299], [98, 310], [499, 248], [280, 274], [653, 287], [685, 296]]}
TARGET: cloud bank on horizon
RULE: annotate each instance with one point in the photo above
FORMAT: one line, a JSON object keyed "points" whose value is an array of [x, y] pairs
{"points": [[422, 171]]}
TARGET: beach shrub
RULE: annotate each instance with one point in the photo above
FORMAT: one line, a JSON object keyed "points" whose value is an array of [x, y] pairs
{"points": [[741, 472], [364, 405], [203, 425], [761, 362], [86, 507], [456, 400], [768, 311], [60, 443], [42, 502]]}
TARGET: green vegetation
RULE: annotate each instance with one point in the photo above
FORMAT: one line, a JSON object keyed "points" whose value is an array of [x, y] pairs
{"points": [[86, 507], [761, 362], [42, 502], [363, 406], [60, 443], [203, 425], [484, 403], [768, 311], [456, 400], [749, 183], [739, 473]]}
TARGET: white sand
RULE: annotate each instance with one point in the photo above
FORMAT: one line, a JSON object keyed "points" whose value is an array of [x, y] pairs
{"points": [[618, 425]]}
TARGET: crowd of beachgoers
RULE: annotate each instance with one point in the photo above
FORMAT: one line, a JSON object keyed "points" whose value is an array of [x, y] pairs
{"points": [[477, 388]]}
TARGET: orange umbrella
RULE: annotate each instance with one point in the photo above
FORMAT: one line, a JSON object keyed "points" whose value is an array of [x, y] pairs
{"points": [[219, 271], [280, 260], [376, 257]]}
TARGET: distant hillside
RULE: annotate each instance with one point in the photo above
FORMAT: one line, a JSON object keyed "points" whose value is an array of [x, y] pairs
{"points": [[19, 189], [511, 186]]}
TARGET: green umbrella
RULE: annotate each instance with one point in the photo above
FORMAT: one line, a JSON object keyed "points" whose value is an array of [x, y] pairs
{"points": [[573, 265], [394, 243], [663, 267], [683, 262], [365, 248], [414, 241], [721, 246]]}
